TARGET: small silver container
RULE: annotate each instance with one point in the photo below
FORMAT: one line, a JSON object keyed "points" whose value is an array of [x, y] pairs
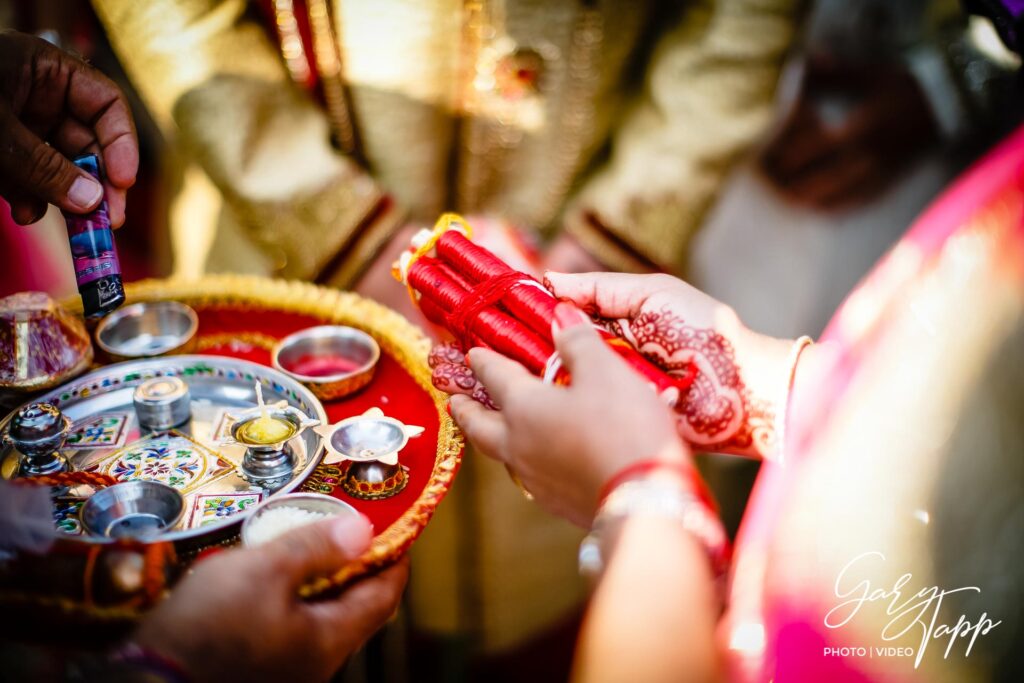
{"points": [[162, 403], [333, 361], [133, 509], [148, 329], [313, 502]]}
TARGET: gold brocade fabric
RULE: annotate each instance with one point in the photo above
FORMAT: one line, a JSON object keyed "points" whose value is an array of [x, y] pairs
{"points": [[501, 107]]}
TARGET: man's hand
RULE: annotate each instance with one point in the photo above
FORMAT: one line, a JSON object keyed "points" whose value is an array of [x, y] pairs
{"points": [[53, 107], [239, 617]]}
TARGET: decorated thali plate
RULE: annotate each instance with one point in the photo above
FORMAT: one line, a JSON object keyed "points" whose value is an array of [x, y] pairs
{"points": [[241, 321], [198, 458]]}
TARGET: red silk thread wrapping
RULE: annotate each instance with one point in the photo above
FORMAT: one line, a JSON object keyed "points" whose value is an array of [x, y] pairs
{"points": [[495, 328], [535, 305], [532, 304], [462, 287]]}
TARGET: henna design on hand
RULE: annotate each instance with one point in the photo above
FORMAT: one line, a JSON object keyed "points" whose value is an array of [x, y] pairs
{"points": [[457, 378], [719, 412], [449, 352]]}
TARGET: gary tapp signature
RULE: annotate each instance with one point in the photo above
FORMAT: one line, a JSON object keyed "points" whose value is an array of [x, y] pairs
{"points": [[909, 610]]}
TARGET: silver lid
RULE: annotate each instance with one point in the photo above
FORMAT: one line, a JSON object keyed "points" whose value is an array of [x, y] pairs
{"points": [[162, 403]]}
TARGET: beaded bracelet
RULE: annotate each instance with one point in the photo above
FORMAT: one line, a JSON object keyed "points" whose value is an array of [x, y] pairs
{"points": [[660, 498]]}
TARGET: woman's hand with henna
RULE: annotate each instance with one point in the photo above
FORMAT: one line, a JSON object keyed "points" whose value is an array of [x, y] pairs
{"points": [[565, 443], [741, 376]]}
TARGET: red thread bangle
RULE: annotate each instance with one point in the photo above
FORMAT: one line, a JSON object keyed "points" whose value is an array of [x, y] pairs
{"points": [[640, 468], [135, 655]]}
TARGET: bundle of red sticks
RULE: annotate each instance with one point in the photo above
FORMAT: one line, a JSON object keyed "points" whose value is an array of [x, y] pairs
{"points": [[482, 301]]}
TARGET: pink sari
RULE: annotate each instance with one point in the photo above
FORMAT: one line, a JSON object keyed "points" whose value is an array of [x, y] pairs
{"points": [[847, 512]]}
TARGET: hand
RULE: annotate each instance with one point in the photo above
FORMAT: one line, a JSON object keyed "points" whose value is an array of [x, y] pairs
{"points": [[450, 373], [54, 106], [566, 443], [731, 405], [238, 615], [882, 122]]}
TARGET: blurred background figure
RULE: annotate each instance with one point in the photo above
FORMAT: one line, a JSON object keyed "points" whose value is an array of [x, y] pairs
{"points": [[884, 103]]}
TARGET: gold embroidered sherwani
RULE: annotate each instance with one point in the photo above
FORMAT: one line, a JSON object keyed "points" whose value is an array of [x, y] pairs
{"points": [[324, 126]]}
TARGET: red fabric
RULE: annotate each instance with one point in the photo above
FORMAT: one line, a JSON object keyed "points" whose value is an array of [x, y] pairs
{"points": [[393, 390]]}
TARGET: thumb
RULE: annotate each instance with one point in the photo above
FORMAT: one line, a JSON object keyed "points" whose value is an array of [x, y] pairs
{"points": [[40, 171], [317, 549], [581, 348]]}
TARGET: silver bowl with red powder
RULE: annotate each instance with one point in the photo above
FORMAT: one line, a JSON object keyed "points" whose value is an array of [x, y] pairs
{"points": [[333, 361]]}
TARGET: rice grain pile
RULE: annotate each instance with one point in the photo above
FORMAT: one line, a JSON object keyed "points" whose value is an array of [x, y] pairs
{"points": [[277, 520]]}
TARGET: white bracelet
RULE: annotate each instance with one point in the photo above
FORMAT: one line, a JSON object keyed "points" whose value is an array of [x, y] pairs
{"points": [[654, 498]]}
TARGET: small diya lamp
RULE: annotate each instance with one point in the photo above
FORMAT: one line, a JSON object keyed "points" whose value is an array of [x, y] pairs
{"points": [[148, 329], [264, 431], [331, 360], [369, 445]]}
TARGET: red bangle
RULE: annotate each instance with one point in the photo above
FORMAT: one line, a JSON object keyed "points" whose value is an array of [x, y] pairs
{"points": [[638, 469], [135, 655]]}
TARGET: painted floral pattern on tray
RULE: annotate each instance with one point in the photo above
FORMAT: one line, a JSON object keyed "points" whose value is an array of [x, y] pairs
{"points": [[170, 458], [65, 515], [210, 509], [99, 431]]}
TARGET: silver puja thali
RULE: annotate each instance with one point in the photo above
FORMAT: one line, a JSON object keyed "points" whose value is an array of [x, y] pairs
{"points": [[199, 459]]}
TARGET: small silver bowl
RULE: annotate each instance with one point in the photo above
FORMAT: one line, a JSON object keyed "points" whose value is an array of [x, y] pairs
{"points": [[148, 329], [331, 360], [313, 502], [133, 509], [369, 439]]}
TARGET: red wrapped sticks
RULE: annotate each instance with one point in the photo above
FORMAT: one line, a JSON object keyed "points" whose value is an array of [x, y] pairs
{"points": [[482, 301]]}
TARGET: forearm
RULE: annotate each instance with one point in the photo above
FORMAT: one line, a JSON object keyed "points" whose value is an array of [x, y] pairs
{"points": [[653, 615]]}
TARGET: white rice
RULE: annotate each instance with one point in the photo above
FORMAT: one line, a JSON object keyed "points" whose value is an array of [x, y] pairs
{"points": [[275, 521]]}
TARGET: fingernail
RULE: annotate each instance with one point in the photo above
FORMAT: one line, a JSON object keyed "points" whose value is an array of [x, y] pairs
{"points": [[352, 533], [566, 316], [85, 192]]}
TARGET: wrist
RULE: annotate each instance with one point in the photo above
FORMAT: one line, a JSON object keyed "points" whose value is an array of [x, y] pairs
{"points": [[654, 488]]}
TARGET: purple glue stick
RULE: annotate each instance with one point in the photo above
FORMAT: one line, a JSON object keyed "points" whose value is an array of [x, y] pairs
{"points": [[97, 270]]}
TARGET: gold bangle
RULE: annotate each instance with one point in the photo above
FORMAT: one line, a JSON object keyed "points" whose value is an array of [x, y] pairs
{"points": [[518, 482], [780, 427]]}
